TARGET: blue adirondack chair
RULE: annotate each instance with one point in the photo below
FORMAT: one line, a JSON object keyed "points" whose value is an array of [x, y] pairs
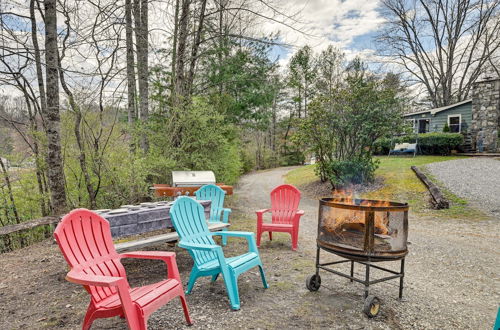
{"points": [[189, 222], [218, 213]]}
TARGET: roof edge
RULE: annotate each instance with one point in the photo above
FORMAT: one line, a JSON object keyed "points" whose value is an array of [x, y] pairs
{"points": [[436, 110]]}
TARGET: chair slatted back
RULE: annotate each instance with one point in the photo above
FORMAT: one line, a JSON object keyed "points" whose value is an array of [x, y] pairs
{"points": [[188, 218], [285, 201], [216, 195], [84, 238]]}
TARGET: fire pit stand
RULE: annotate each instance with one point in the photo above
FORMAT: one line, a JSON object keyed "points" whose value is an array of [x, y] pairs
{"points": [[363, 232]]}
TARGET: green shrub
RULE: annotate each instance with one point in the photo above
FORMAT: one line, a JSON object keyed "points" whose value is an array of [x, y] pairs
{"points": [[446, 128], [439, 143], [344, 172], [428, 143]]}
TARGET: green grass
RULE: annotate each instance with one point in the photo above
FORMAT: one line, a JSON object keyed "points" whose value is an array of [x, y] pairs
{"points": [[401, 184], [301, 175]]}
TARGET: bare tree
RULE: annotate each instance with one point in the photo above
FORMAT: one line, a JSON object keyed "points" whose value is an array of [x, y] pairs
{"points": [[131, 86], [51, 116], [141, 38], [442, 44]]}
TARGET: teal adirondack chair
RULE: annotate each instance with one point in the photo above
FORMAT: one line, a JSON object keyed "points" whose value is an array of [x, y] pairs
{"points": [[189, 222], [211, 192]]}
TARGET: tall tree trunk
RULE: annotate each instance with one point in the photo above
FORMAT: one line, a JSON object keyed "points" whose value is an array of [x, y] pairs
{"points": [[195, 48], [141, 37], [181, 54], [131, 87], [174, 48], [52, 116], [38, 61]]}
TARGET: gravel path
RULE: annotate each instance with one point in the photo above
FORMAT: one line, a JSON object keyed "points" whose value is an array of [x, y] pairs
{"points": [[475, 179]]}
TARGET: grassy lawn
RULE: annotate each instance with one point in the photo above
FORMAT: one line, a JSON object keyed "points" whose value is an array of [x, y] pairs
{"points": [[401, 184]]}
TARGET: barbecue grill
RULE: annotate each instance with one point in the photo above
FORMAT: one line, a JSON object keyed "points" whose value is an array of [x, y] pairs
{"points": [[364, 232], [192, 178], [187, 182]]}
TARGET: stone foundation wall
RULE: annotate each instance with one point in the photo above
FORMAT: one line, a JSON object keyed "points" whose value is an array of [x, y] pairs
{"points": [[486, 115]]}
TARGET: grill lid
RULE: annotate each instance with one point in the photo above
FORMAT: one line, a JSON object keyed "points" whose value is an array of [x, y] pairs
{"points": [[192, 178]]}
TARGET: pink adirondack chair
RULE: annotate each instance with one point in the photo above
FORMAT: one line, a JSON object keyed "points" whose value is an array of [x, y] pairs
{"points": [[85, 240], [285, 214]]}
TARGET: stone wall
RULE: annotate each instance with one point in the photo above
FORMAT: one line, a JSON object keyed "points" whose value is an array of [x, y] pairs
{"points": [[486, 114]]}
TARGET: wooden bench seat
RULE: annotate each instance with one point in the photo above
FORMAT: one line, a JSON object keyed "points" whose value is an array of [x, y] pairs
{"points": [[163, 238]]}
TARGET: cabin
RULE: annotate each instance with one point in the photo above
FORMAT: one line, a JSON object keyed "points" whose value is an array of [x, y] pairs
{"points": [[458, 116], [478, 118]]}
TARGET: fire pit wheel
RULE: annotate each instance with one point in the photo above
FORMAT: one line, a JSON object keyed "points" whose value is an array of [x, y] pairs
{"points": [[313, 282], [372, 306]]}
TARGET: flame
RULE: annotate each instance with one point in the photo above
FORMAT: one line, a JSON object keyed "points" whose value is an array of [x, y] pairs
{"points": [[340, 220]]}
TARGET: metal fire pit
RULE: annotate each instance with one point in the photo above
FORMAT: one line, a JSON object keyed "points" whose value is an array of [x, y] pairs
{"points": [[364, 232]]}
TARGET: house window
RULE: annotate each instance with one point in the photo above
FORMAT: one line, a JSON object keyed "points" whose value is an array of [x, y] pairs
{"points": [[455, 122], [424, 125]]}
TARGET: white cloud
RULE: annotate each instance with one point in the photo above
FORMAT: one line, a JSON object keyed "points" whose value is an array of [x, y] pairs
{"points": [[329, 22]]}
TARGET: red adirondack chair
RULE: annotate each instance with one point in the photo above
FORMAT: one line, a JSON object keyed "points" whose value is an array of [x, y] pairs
{"points": [[285, 214], [85, 240]]}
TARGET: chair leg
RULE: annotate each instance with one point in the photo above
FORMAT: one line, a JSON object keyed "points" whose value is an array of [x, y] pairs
{"points": [[231, 282], [214, 277], [295, 239], [140, 323], [89, 318], [259, 234], [270, 235], [263, 277], [186, 310], [192, 279], [224, 238]]}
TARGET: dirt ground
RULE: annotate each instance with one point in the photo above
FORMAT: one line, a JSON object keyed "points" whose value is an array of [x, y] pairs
{"points": [[451, 280]]}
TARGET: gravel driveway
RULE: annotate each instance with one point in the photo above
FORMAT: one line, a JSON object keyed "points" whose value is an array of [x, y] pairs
{"points": [[475, 179], [451, 280], [451, 270]]}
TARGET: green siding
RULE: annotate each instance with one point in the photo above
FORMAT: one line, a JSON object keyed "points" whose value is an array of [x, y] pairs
{"points": [[441, 118]]}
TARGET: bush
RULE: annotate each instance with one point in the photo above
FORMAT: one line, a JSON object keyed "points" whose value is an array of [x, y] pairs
{"points": [[198, 139], [439, 143], [344, 172], [446, 128], [428, 143]]}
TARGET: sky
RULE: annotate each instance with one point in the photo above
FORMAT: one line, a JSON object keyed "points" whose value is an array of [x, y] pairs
{"points": [[347, 24]]}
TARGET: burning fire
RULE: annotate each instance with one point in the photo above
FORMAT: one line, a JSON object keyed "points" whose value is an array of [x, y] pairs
{"points": [[341, 220]]}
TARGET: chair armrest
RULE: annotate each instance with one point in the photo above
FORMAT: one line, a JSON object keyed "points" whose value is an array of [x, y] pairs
{"points": [[95, 280], [161, 255], [121, 285], [250, 237], [197, 246], [245, 234], [260, 216], [225, 215], [262, 211], [167, 257], [297, 216]]}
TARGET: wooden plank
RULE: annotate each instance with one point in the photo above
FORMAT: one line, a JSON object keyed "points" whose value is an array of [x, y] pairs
{"points": [[437, 198], [6, 230], [164, 238]]}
